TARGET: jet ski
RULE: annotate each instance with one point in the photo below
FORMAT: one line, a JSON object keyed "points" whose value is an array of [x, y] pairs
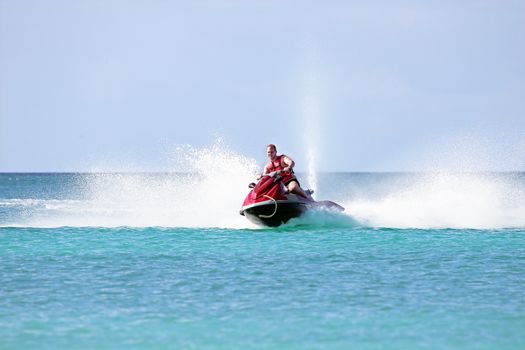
{"points": [[270, 204]]}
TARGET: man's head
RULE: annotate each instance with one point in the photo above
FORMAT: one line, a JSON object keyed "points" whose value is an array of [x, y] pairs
{"points": [[271, 151]]}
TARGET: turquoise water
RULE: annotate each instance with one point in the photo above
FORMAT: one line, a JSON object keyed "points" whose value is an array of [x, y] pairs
{"points": [[324, 282]]}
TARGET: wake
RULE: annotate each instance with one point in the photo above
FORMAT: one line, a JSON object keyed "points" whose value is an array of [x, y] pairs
{"points": [[212, 190]]}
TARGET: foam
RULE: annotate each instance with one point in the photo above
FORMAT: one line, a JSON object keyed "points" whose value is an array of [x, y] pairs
{"points": [[208, 184], [446, 200], [211, 197], [208, 194], [324, 218]]}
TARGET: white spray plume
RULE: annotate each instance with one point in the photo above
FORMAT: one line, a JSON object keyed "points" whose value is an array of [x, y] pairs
{"points": [[208, 194], [310, 115], [446, 200]]}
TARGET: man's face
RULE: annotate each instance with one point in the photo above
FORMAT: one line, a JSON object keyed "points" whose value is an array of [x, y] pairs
{"points": [[271, 153]]}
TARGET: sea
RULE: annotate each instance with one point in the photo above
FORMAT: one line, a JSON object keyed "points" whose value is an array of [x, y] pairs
{"points": [[138, 260]]}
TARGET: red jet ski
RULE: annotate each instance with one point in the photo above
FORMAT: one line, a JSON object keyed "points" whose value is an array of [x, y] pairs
{"points": [[269, 203]]}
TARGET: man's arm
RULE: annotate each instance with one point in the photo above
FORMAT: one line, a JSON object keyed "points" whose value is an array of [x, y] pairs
{"points": [[288, 162]]}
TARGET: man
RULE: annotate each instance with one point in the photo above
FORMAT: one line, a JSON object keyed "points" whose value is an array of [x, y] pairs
{"points": [[285, 165]]}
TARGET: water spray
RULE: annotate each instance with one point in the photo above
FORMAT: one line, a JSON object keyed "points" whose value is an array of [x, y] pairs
{"points": [[310, 116]]}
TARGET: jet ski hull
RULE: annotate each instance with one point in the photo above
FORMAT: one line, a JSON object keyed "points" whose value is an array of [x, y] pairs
{"points": [[274, 213]]}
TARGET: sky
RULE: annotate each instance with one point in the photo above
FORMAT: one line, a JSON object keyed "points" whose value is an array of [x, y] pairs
{"points": [[340, 85]]}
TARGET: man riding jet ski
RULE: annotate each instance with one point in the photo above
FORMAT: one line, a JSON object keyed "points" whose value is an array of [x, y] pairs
{"points": [[283, 165], [278, 197]]}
